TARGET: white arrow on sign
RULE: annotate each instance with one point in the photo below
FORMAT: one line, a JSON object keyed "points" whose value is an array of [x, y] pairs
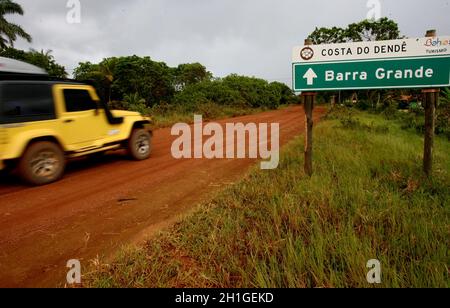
{"points": [[310, 76]]}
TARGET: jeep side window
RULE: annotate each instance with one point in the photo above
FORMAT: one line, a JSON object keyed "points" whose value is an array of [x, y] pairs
{"points": [[78, 100], [23, 102]]}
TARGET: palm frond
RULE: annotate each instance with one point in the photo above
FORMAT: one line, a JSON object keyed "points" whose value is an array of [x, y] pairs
{"points": [[9, 32], [9, 7]]}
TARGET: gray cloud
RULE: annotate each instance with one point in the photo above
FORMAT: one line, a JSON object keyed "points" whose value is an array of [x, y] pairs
{"points": [[252, 37]]}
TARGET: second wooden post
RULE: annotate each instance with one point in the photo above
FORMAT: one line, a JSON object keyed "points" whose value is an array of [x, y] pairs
{"points": [[431, 100]]}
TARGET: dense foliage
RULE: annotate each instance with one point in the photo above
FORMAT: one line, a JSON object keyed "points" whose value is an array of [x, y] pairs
{"points": [[154, 83], [366, 30], [237, 90]]}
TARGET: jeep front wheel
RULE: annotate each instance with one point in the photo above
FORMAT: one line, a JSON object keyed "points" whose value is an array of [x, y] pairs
{"points": [[43, 163], [140, 144]]}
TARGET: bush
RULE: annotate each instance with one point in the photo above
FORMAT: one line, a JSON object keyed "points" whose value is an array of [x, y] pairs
{"points": [[416, 107], [356, 124], [348, 120], [415, 120], [135, 103], [238, 91], [443, 122], [209, 110], [339, 112], [391, 112], [443, 114], [363, 105]]}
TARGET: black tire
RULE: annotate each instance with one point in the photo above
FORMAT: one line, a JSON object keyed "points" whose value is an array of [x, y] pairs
{"points": [[139, 145], [42, 163]]}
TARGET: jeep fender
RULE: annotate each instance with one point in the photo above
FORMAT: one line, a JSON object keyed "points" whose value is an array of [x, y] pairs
{"points": [[145, 124], [21, 141]]}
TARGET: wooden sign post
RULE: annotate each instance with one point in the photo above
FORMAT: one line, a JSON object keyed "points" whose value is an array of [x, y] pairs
{"points": [[431, 100], [309, 99]]}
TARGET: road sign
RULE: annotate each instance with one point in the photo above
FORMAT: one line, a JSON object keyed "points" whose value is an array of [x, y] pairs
{"points": [[416, 63]]}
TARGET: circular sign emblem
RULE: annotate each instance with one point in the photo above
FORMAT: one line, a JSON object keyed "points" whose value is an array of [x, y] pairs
{"points": [[307, 53]]}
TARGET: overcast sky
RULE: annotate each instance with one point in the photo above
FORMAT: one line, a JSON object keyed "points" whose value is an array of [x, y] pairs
{"points": [[251, 37]]}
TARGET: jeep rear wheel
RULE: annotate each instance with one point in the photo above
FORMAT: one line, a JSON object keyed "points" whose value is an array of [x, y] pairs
{"points": [[43, 163], [140, 144]]}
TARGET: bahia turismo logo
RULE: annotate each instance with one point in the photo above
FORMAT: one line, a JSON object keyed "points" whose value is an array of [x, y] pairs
{"points": [[437, 46], [436, 42]]}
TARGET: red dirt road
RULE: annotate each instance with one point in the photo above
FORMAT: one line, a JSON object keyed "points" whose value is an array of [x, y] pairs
{"points": [[100, 206]]}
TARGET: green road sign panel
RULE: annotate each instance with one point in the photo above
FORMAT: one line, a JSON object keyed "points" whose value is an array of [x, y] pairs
{"points": [[423, 72]]}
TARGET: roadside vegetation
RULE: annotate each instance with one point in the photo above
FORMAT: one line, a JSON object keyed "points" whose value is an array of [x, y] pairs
{"points": [[366, 200], [175, 94], [410, 115], [413, 118]]}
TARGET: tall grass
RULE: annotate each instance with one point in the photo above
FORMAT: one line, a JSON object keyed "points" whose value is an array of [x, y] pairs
{"points": [[367, 200]]}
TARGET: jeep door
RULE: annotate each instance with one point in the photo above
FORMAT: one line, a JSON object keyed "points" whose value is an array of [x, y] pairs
{"points": [[83, 125]]}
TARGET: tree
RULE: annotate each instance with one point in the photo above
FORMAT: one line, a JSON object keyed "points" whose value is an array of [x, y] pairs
{"points": [[42, 59], [151, 80], [251, 89], [101, 74], [134, 102], [85, 71], [46, 60], [117, 77], [333, 35], [366, 30], [189, 74], [370, 30], [9, 32], [105, 72], [286, 96]]}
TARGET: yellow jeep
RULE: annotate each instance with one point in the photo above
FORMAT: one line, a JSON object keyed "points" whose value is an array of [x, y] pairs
{"points": [[43, 122]]}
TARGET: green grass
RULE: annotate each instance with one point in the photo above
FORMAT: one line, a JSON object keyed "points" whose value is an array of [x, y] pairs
{"points": [[367, 200]]}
